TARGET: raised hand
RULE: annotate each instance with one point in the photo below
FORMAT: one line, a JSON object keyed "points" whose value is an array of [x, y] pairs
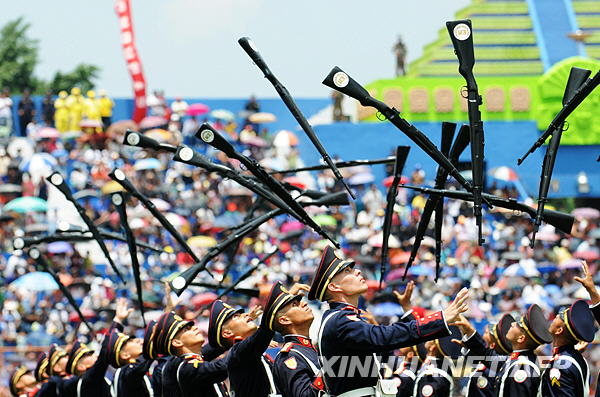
{"points": [[459, 305], [255, 312], [369, 317], [588, 283], [404, 299], [122, 311], [297, 288], [465, 326], [171, 303]]}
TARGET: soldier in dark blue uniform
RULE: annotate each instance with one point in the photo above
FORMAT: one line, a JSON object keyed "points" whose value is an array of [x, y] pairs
{"points": [[404, 372], [296, 367], [588, 283], [345, 337], [435, 376], [47, 384], [22, 382], [493, 349], [520, 374], [567, 375], [249, 368], [187, 373]]}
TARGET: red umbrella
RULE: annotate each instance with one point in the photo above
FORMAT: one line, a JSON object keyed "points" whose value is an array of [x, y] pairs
{"points": [[387, 182], [196, 109], [295, 181], [587, 255], [504, 174], [48, 132], [152, 122], [89, 123], [203, 299], [291, 226], [87, 313]]}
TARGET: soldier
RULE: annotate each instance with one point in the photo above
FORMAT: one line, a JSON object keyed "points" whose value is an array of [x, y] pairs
{"points": [[296, 367], [568, 373], [47, 385], [57, 362], [435, 376], [187, 373], [404, 372], [22, 382], [249, 368], [588, 283], [520, 374], [87, 368], [345, 337]]}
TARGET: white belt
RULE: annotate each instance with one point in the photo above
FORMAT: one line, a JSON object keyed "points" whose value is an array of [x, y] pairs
{"points": [[362, 392]]}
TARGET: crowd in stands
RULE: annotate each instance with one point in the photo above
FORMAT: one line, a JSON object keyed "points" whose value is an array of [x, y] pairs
{"points": [[504, 276]]}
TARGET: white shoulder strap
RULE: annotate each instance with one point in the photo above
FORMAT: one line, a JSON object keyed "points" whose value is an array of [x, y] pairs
{"points": [[320, 343], [409, 373], [520, 360], [586, 379], [269, 375], [114, 387], [148, 386], [312, 365], [79, 382], [217, 390]]}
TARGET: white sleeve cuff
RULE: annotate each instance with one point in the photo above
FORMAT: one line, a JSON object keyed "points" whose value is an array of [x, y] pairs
{"points": [[595, 305], [406, 314], [446, 324], [467, 337]]}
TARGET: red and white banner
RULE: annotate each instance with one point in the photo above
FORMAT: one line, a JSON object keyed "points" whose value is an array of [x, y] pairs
{"points": [[134, 65]]}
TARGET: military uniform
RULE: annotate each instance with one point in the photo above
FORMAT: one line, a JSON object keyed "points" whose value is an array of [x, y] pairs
{"points": [[405, 380], [345, 337], [433, 381], [92, 383], [482, 380], [567, 375], [296, 368], [596, 312], [188, 374], [249, 368], [130, 379]]}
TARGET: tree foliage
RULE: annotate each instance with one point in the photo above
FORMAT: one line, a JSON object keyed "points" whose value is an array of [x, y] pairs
{"points": [[19, 57]]}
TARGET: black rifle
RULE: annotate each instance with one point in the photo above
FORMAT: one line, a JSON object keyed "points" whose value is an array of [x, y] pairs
{"points": [[461, 34], [43, 264], [252, 51], [119, 176], [435, 203], [560, 220], [584, 90], [181, 282], [251, 292], [342, 82], [74, 236], [577, 78], [118, 200], [57, 180], [134, 138], [338, 164], [210, 136], [401, 155]]}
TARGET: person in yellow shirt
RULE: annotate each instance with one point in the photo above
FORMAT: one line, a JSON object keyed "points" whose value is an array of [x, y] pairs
{"points": [[91, 107], [75, 107], [106, 107], [61, 115]]}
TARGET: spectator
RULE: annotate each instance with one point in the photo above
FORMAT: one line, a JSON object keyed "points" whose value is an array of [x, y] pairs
{"points": [[6, 104], [106, 105], [48, 110], [61, 115]]}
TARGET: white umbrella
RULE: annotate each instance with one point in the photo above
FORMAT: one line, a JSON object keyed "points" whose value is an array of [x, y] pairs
{"points": [[20, 147]]}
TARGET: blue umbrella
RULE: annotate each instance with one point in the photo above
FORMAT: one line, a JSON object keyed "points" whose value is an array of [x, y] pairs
{"points": [[147, 164], [60, 247], [26, 204], [420, 270], [35, 281], [38, 160], [387, 309]]}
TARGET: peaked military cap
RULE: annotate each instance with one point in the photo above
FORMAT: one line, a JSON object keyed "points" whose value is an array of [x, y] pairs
{"points": [[446, 346], [330, 266], [278, 298], [579, 321], [535, 325], [167, 326], [41, 367], [15, 377], [78, 351], [116, 341], [420, 351], [55, 354], [499, 331], [148, 350], [220, 312]]}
